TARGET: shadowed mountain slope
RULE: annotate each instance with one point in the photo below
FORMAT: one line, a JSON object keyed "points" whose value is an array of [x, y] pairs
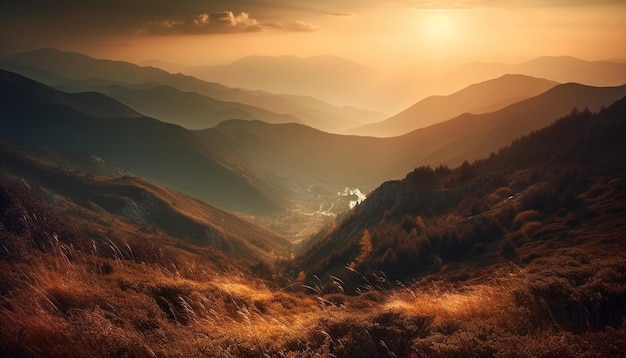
{"points": [[478, 98], [472, 136], [557, 188], [262, 168], [187, 109], [91, 103], [296, 153], [314, 167], [69, 160], [301, 153], [74, 282], [51, 66], [161, 152], [101, 203]]}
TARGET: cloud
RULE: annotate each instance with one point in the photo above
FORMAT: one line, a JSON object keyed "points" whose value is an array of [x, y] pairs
{"points": [[340, 14], [205, 23], [296, 26], [222, 22]]}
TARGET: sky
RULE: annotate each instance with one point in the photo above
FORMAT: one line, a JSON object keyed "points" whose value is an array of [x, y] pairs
{"points": [[386, 34]]}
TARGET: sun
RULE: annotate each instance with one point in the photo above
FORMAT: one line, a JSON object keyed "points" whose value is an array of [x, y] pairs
{"points": [[438, 27]]}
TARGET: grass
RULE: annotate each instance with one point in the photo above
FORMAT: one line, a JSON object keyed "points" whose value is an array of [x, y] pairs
{"points": [[65, 292], [58, 302]]}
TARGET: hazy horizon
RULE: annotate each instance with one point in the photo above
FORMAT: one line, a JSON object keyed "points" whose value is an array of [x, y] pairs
{"points": [[391, 37], [449, 183]]}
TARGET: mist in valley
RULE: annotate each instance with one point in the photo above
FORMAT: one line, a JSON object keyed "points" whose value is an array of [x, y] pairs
{"points": [[273, 179]]}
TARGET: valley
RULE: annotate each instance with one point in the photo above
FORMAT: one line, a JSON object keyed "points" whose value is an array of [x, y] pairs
{"points": [[316, 207], [150, 214]]}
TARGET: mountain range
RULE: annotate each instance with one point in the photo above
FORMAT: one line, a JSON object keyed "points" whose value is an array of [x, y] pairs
{"points": [[468, 219], [494, 233], [78, 72], [416, 83], [183, 99], [298, 152], [262, 168], [187, 109], [329, 78], [161, 152], [478, 98]]}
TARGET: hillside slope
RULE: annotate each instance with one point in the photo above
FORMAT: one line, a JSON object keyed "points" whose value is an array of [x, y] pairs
{"points": [[55, 68], [556, 189], [478, 98], [91, 103], [187, 109], [415, 82], [332, 79], [307, 156], [123, 205], [164, 153], [266, 169], [474, 136]]}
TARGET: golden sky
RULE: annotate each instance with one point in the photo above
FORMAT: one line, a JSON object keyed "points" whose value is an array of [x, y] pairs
{"points": [[382, 34]]}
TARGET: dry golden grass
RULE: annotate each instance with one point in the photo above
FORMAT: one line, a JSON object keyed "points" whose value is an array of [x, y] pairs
{"points": [[142, 296], [475, 302], [58, 303]]}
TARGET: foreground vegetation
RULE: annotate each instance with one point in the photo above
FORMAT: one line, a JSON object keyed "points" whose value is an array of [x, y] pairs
{"points": [[518, 255], [64, 297]]}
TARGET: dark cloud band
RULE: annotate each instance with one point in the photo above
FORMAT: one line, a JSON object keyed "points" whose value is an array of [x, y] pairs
{"points": [[222, 22], [205, 23]]}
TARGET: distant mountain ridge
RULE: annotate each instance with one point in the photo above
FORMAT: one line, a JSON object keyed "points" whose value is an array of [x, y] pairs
{"points": [[478, 98], [161, 152], [329, 78], [412, 84], [473, 136], [268, 169], [59, 68], [571, 69], [188, 109], [295, 151], [91, 103]]}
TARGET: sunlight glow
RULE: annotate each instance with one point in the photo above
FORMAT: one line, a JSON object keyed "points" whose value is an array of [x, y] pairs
{"points": [[438, 27]]}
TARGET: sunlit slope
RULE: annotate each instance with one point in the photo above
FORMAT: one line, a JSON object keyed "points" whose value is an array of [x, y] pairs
{"points": [[571, 69], [560, 187], [124, 205], [470, 136], [158, 151], [416, 83], [478, 98]]}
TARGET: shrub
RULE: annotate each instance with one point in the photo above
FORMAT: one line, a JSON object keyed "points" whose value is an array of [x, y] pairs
{"points": [[524, 217]]}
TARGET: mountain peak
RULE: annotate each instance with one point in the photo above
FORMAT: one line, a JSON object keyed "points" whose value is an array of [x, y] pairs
{"points": [[482, 97]]}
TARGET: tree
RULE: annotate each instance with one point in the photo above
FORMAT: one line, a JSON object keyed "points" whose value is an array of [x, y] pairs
{"points": [[366, 246]]}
